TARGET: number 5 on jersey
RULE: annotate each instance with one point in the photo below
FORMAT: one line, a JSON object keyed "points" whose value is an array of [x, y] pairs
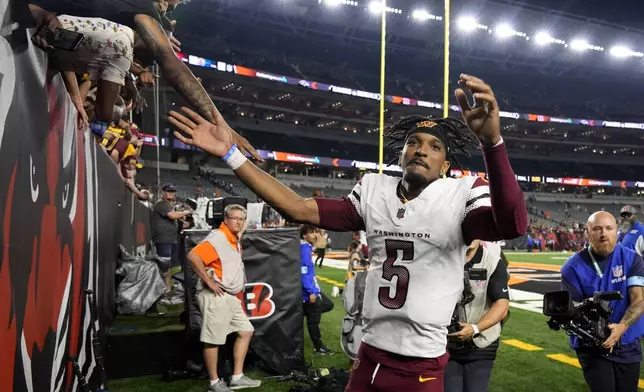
{"points": [[389, 270]]}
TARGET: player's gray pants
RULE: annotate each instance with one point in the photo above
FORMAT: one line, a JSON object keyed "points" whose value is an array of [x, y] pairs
{"points": [[471, 376]]}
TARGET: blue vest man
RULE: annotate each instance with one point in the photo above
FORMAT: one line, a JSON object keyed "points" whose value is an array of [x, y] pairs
{"points": [[606, 266], [314, 301], [634, 236]]}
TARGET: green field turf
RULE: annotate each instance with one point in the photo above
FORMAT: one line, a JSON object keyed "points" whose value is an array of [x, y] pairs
{"points": [[555, 258], [515, 370]]}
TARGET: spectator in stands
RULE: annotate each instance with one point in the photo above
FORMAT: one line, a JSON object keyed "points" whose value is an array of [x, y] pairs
{"points": [[105, 54], [634, 232], [314, 303], [320, 246], [146, 17], [127, 171], [218, 263], [117, 139], [165, 230]]}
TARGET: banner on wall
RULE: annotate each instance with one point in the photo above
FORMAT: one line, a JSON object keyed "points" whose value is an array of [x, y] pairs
{"points": [[272, 298]]}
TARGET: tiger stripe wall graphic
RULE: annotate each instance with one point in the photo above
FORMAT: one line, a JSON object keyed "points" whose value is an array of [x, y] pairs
{"points": [[62, 207]]}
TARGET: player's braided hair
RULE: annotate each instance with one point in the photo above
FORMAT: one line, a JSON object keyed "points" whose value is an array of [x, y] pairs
{"points": [[459, 136]]}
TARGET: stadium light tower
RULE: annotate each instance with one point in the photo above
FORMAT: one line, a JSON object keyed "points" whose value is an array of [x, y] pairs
{"points": [[579, 45], [332, 3], [504, 30], [422, 15], [623, 52], [582, 44], [466, 23], [376, 8], [543, 38]]}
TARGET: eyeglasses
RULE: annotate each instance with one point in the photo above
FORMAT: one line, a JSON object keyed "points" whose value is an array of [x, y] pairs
{"points": [[236, 219]]}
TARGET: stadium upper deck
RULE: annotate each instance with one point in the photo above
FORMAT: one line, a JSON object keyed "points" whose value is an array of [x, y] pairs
{"points": [[339, 45], [287, 118], [307, 41]]}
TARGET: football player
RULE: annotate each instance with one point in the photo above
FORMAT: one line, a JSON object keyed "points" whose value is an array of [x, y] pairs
{"points": [[418, 228]]}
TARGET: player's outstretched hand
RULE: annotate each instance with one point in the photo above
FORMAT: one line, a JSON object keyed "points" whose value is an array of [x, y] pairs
{"points": [[216, 140], [483, 117], [196, 131]]}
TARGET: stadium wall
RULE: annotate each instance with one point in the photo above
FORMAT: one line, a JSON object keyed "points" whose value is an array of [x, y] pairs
{"points": [[63, 211]]}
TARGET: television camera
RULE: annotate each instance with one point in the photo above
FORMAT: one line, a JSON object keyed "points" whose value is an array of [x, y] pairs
{"points": [[587, 320]]}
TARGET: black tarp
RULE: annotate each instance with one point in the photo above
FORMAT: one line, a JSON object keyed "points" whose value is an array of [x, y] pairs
{"points": [[272, 299]]}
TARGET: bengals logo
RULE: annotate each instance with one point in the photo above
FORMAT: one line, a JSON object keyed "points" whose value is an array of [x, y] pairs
{"points": [[257, 300]]}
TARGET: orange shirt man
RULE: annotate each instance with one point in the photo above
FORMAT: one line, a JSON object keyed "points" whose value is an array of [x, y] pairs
{"points": [[218, 263]]}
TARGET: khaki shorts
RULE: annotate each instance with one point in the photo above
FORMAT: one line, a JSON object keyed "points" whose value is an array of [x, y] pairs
{"points": [[222, 315]]}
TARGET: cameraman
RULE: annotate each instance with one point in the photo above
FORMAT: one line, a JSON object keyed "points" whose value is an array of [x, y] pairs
{"points": [[603, 266], [472, 350]]}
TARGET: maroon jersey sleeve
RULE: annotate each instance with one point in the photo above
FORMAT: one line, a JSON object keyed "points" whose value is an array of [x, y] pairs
{"points": [[495, 210], [342, 214]]}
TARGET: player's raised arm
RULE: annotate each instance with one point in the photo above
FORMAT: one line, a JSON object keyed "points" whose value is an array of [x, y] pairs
{"points": [[330, 214], [495, 210]]}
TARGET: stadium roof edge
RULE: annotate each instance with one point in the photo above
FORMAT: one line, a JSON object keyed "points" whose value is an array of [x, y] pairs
{"points": [[580, 18]]}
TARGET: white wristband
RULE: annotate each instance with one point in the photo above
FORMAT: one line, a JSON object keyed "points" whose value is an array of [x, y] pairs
{"points": [[234, 158], [476, 329]]}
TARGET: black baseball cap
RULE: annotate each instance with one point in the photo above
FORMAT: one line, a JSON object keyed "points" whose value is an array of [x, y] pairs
{"points": [[627, 210], [169, 188]]}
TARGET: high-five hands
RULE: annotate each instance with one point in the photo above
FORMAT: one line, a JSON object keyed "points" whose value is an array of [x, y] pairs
{"points": [[215, 139], [483, 117]]}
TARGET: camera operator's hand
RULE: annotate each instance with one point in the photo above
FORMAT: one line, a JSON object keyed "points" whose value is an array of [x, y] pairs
{"points": [[616, 332], [214, 286], [464, 334], [313, 298]]}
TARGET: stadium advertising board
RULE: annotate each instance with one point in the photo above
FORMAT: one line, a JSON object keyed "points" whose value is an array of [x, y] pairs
{"points": [[366, 165], [239, 70]]}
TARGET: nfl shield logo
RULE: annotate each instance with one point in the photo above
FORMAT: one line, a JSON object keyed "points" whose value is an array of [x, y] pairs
{"points": [[618, 271], [401, 213]]}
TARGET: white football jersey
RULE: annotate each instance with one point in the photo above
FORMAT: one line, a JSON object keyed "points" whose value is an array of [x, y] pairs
{"points": [[417, 254]]}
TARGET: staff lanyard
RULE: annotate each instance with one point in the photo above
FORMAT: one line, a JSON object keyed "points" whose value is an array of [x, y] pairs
{"points": [[597, 269]]}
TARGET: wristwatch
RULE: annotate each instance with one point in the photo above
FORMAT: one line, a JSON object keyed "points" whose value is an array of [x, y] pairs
{"points": [[476, 331]]}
